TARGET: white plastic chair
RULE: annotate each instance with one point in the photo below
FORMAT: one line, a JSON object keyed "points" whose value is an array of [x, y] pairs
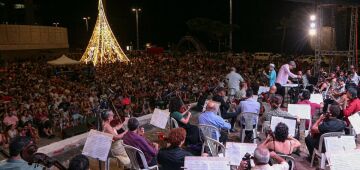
{"points": [[289, 159], [318, 152], [216, 148], [133, 154], [210, 132], [173, 123], [248, 119], [107, 163]]}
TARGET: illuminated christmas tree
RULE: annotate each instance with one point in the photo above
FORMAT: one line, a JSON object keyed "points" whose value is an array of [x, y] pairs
{"points": [[103, 47]]}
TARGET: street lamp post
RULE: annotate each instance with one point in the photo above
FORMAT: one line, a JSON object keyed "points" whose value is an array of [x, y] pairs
{"points": [[87, 23], [230, 33], [137, 10], [56, 24]]}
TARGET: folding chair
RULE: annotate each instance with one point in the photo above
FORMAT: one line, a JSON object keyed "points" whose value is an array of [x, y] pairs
{"points": [[248, 122], [318, 153], [133, 154], [216, 148]]}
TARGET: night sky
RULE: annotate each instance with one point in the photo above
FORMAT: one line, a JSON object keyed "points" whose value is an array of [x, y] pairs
{"points": [[163, 22]]}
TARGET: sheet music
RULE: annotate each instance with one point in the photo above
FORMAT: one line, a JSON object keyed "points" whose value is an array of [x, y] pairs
{"points": [[97, 145], [355, 122], [290, 85], [206, 163], [316, 98], [291, 124], [236, 151], [263, 89], [303, 111], [217, 105], [341, 161], [160, 118], [338, 145]]}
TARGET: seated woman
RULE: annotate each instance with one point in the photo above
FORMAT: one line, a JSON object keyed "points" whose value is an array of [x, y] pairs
{"points": [[117, 148], [275, 102], [179, 112], [172, 157], [280, 141]]}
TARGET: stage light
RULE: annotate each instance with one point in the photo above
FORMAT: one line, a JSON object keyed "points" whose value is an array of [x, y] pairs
{"points": [[312, 25], [312, 32], [312, 17]]}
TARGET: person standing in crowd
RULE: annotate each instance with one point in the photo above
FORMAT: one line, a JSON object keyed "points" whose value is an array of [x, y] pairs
{"points": [[234, 79], [283, 77], [15, 162], [209, 117], [271, 75], [354, 76], [173, 157], [135, 138], [325, 124], [224, 107]]}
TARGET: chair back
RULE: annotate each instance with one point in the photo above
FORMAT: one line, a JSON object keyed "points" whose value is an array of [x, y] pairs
{"points": [[290, 160], [267, 107], [248, 120], [133, 154], [330, 134], [209, 131], [215, 147], [173, 123]]}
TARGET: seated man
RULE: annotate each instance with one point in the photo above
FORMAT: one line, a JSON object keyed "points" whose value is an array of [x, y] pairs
{"points": [[209, 117], [224, 107], [15, 162], [135, 137], [325, 124], [249, 105], [261, 159]]}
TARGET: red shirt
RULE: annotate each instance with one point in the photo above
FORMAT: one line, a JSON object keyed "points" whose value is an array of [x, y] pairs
{"points": [[351, 108], [313, 106]]}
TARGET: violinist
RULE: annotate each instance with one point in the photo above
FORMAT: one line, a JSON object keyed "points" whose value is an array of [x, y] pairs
{"points": [[117, 147], [352, 105], [326, 123], [336, 94]]}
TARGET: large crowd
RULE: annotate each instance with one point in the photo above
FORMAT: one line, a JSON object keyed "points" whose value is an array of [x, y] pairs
{"points": [[39, 100]]}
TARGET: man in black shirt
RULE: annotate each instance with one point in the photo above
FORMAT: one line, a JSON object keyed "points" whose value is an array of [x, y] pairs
{"points": [[325, 124]]}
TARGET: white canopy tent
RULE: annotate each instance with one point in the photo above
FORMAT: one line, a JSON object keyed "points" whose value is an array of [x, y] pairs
{"points": [[63, 60]]}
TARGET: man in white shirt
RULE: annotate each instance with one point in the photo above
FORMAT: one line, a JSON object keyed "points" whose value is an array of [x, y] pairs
{"points": [[234, 80], [283, 77], [354, 75], [261, 160]]}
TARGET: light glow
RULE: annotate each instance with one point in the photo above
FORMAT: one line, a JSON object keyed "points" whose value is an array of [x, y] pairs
{"points": [[312, 17], [103, 47], [312, 25], [312, 32]]}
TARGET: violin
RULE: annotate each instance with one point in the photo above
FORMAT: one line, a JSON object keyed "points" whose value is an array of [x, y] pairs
{"points": [[30, 155]]}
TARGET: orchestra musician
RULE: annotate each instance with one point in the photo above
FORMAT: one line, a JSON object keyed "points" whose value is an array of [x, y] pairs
{"points": [[283, 77]]}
